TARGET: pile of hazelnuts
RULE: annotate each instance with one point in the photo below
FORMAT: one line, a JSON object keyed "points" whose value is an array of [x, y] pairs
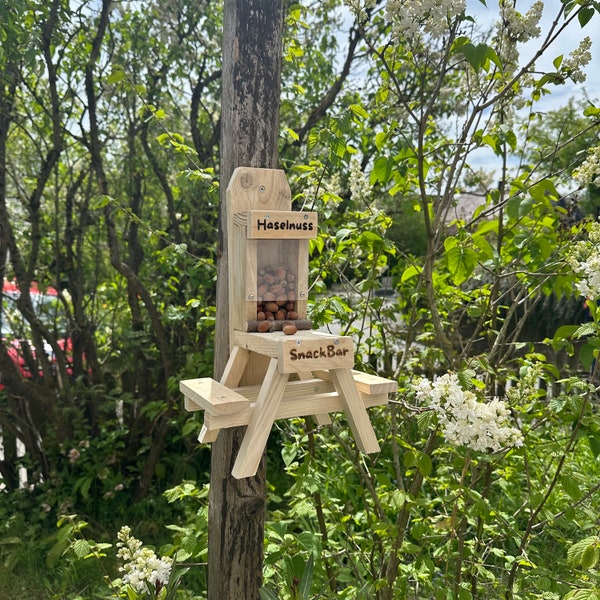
{"points": [[276, 289]]}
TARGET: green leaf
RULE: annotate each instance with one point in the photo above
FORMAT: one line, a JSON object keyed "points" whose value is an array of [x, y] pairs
{"points": [[382, 170], [582, 552], [267, 594], [357, 109], [594, 444], [585, 14], [424, 464], [81, 548], [590, 556], [410, 272], [461, 263], [189, 427], [292, 134], [585, 330], [288, 453], [565, 332], [480, 55], [544, 190], [100, 202], [582, 595], [307, 578], [587, 354], [116, 77], [571, 485]]}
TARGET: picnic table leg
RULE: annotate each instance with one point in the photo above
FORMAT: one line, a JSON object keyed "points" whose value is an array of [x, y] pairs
{"points": [[261, 422], [356, 412]]}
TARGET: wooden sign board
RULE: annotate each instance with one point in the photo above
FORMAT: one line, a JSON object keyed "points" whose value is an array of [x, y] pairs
{"points": [[301, 355], [278, 224]]}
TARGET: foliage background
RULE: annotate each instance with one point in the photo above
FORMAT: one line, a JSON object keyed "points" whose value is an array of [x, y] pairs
{"points": [[109, 125]]}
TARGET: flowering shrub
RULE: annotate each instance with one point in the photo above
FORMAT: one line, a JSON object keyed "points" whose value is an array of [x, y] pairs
{"points": [[434, 18], [584, 258], [465, 419], [143, 571], [589, 172]]}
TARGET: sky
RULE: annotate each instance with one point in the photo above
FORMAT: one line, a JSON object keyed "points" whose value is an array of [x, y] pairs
{"points": [[567, 42]]}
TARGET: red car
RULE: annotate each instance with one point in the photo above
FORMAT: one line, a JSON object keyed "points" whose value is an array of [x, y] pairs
{"points": [[16, 331]]}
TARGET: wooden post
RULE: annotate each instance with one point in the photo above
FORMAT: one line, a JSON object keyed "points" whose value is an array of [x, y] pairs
{"points": [[252, 47]]}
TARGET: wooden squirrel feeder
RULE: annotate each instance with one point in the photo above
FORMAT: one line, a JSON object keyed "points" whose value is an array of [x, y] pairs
{"points": [[278, 368]]}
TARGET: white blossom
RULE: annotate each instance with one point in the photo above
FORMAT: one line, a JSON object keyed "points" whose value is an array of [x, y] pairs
{"points": [[584, 259], [360, 8], [579, 58], [410, 18], [360, 188], [141, 566], [589, 172], [465, 420], [521, 27], [514, 28]]}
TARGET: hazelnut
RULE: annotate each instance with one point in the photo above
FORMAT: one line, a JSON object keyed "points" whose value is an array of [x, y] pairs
{"points": [[264, 326], [272, 307], [289, 329]]}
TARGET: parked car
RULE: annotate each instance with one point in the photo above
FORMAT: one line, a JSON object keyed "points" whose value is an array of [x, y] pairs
{"points": [[16, 330]]}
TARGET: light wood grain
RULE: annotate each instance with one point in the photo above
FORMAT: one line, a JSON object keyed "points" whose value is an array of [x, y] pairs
{"points": [[261, 421], [321, 418], [299, 406], [235, 367], [209, 395], [365, 382], [355, 410]]}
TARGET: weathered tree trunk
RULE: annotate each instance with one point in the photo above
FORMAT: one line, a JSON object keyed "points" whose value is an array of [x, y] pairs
{"points": [[252, 40]]}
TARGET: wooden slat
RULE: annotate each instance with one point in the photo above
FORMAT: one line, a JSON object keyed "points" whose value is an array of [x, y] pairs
{"points": [[261, 422], [366, 382], [212, 396], [320, 419], [298, 406], [355, 410], [235, 367]]}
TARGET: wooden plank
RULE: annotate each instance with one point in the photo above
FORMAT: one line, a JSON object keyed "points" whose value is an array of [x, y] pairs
{"points": [[373, 384], [261, 421], [355, 410], [260, 343], [302, 280], [293, 389], [269, 343], [207, 394], [208, 435], [366, 382], [321, 418], [275, 224], [235, 367], [300, 406], [250, 275]]}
